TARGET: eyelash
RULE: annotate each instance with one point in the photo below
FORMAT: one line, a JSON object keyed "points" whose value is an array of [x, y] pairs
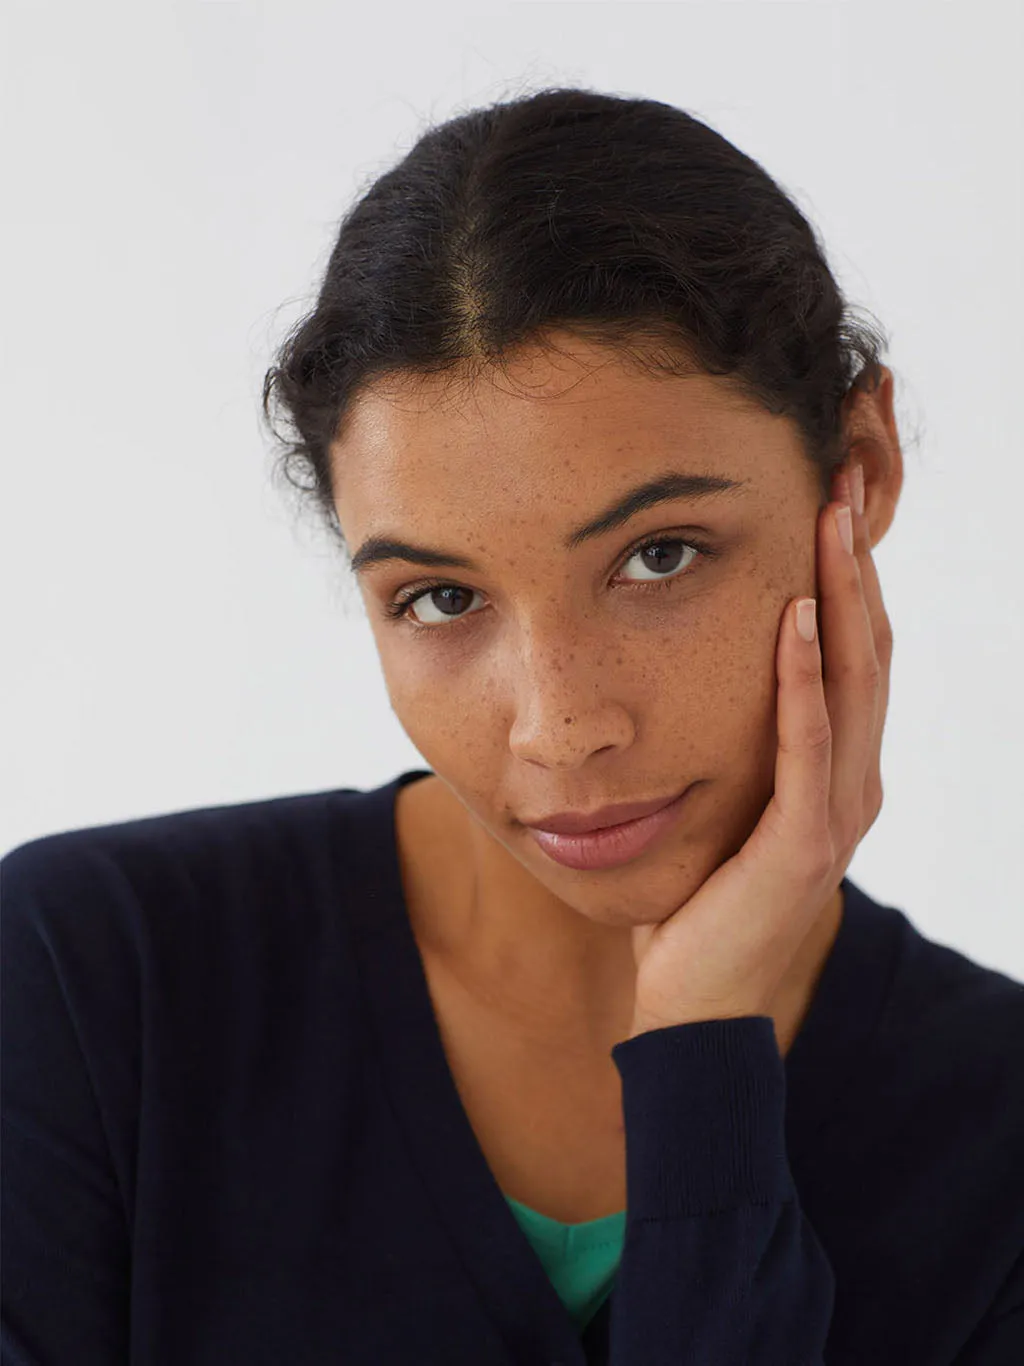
{"points": [[399, 606]]}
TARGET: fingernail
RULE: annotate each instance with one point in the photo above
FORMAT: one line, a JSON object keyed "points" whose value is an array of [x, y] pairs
{"points": [[806, 618], [857, 488], [844, 523]]}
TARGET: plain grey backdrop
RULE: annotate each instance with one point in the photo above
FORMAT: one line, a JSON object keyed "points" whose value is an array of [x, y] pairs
{"points": [[177, 636]]}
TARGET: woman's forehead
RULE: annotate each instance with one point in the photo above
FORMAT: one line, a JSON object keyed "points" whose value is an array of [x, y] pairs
{"points": [[591, 421]]}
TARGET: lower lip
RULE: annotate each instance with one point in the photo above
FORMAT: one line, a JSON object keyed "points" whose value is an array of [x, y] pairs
{"points": [[614, 844]]}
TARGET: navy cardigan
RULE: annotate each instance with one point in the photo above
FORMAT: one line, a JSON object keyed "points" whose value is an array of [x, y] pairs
{"points": [[231, 1137]]}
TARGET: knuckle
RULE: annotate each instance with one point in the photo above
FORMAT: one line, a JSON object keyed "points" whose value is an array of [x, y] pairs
{"points": [[818, 739], [814, 741], [809, 676]]}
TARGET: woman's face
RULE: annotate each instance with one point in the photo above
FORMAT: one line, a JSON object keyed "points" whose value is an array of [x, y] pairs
{"points": [[552, 677]]}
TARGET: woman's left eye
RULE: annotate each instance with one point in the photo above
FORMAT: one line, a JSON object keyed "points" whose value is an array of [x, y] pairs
{"points": [[670, 564]]}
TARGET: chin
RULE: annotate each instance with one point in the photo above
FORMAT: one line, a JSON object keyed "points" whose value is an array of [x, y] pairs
{"points": [[646, 894]]}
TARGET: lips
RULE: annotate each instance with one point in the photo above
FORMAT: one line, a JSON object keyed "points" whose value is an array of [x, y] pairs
{"points": [[581, 823]]}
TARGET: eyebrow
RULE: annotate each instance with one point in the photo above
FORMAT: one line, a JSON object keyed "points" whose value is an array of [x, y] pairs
{"points": [[670, 486]]}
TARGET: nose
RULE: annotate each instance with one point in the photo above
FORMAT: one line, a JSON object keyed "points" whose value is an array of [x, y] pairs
{"points": [[565, 708]]}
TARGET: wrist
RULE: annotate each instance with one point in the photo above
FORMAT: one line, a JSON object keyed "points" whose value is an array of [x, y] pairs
{"points": [[643, 1023]]}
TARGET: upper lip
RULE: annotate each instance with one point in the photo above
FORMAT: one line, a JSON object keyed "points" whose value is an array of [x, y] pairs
{"points": [[581, 822]]}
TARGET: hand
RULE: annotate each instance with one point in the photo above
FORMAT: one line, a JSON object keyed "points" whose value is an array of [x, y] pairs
{"points": [[724, 953]]}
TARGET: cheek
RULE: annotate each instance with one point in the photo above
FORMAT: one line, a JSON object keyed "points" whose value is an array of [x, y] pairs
{"points": [[724, 661], [421, 671], [451, 721], [721, 726], [718, 702]]}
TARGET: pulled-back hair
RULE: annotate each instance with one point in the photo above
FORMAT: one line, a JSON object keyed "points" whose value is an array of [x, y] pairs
{"points": [[624, 221]]}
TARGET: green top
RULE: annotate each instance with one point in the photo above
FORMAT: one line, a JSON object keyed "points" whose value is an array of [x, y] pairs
{"points": [[580, 1259]]}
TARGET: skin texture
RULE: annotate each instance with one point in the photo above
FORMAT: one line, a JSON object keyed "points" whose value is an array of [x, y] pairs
{"points": [[566, 679]]}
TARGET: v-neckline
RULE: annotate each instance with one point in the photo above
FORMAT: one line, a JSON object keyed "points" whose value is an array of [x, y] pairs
{"points": [[441, 1142]]}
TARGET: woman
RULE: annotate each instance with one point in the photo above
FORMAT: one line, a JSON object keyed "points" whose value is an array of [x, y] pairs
{"points": [[434, 1072]]}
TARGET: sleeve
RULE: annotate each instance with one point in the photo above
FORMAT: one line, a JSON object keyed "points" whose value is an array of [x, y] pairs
{"points": [[65, 1264], [998, 1339], [719, 1262]]}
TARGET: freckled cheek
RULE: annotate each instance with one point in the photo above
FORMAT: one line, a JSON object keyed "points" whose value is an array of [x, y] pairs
{"points": [[717, 670], [444, 698], [724, 673], [743, 720]]}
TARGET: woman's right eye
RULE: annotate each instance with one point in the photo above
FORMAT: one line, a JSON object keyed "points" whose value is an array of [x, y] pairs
{"points": [[402, 606]]}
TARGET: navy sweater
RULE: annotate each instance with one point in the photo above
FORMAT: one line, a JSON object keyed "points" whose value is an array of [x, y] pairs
{"points": [[231, 1137]]}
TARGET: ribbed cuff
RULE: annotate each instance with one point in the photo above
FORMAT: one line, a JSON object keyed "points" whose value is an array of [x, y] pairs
{"points": [[704, 1106]]}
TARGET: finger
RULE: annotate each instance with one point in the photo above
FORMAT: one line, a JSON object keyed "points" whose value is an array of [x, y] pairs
{"points": [[881, 631], [796, 818], [851, 680], [881, 627]]}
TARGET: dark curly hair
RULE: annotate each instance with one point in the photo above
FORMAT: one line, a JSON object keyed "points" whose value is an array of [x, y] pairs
{"points": [[625, 221]]}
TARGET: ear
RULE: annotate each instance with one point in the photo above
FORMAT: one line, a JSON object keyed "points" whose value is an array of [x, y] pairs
{"points": [[869, 424]]}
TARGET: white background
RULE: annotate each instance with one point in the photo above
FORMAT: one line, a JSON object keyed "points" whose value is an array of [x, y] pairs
{"points": [[176, 636]]}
